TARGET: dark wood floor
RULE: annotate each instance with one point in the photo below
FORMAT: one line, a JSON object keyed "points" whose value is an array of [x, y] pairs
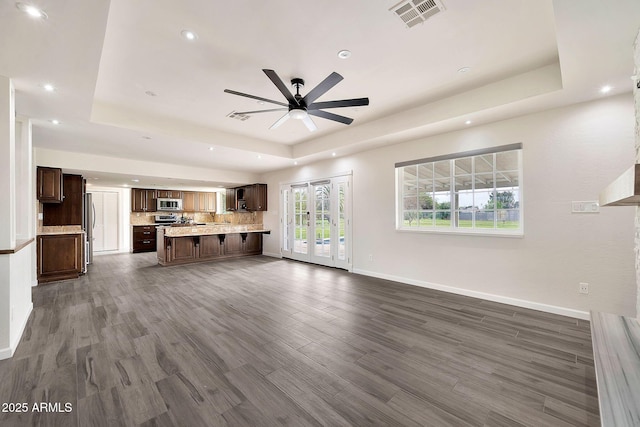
{"points": [[261, 342]]}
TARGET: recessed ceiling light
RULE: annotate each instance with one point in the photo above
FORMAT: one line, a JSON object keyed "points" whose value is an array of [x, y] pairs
{"points": [[344, 54], [125, 184], [259, 156], [210, 148], [295, 163], [464, 69], [31, 10], [468, 122], [261, 102], [135, 180], [333, 154], [188, 35], [55, 121], [146, 137], [48, 87], [606, 89]]}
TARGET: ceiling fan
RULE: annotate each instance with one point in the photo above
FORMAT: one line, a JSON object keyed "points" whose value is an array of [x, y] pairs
{"points": [[301, 107]]}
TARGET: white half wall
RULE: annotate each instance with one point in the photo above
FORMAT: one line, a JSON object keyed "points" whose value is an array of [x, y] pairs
{"points": [[569, 154]]}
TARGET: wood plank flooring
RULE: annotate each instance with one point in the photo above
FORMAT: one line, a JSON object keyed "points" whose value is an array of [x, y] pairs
{"points": [[266, 342]]}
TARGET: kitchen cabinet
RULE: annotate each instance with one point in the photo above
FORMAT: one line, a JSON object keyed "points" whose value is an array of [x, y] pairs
{"points": [[207, 202], [169, 194], [232, 244], [193, 201], [173, 250], [256, 197], [231, 201], [189, 201], [143, 200], [210, 246], [59, 256], [144, 238], [251, 243], [183, 249], [69, 212], [250, 198], [50, 185]]}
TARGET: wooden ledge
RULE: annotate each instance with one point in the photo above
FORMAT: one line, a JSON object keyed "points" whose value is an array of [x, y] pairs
{"points": [[616, 353], [20, 244]]}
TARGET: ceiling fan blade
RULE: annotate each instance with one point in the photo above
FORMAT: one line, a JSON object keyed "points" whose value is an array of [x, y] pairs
{"points": [[331, 116], [309, 123], [233, 92], [280, 121], [357, 102], [261, 111], [281, 86], [332, 80]]}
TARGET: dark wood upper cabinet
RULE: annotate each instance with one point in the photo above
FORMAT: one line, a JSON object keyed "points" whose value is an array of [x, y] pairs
{"points": [[50, 185], [69, 212], [169, 194], [143, 200], [256, 197], [231, 201]]}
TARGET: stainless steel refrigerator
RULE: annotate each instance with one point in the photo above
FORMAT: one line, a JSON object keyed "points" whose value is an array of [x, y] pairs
{"points": [[88, 224]]}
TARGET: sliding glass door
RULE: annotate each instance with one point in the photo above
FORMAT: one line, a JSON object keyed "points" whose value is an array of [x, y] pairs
{"points": [[316, 222]]}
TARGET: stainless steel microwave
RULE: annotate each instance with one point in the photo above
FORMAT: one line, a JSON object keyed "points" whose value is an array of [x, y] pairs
{"points": [[169, 205]]}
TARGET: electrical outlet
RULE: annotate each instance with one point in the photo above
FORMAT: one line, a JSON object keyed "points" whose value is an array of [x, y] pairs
{"points": [[370, 257], [583, 288]]}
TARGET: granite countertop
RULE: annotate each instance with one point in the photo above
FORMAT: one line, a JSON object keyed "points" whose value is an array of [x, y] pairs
{"points": [[616, 345], [64, 229], [204, 230]]}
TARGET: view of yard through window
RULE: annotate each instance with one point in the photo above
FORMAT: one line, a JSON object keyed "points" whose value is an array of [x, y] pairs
{"points": [[462, 192]]}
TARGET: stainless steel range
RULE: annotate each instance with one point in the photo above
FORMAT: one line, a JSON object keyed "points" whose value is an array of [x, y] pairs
{"points": [[166, 219]]}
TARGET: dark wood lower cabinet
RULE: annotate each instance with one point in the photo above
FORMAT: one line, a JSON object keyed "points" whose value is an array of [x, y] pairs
{"points": [[186, 249], [210, 246], [59, 256], [144, 238]]}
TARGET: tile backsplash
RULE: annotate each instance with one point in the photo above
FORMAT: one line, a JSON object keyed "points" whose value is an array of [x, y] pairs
{"points": [[234, 218]]}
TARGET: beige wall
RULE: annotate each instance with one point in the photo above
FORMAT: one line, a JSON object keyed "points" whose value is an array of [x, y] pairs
{"points": [[570, 154]]}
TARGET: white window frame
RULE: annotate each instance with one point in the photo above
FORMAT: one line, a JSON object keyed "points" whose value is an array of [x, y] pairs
{"points": [[453, 210]]}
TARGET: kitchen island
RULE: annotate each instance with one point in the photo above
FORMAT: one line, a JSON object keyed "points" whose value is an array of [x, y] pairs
{"points": [[198, 243]]}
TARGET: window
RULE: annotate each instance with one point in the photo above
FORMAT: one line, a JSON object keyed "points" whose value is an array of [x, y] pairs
{"points": [[473, 192]]}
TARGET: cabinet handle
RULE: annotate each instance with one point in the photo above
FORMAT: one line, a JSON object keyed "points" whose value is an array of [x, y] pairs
{"points": [[146, 241], [147, 232]]}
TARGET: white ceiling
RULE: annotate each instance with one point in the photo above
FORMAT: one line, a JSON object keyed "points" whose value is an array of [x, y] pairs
{"points": [[104, 56]]}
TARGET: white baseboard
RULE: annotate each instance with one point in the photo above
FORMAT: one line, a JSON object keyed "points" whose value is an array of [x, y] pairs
{"points": [[272, 254], [563, 311], [6, 353]]}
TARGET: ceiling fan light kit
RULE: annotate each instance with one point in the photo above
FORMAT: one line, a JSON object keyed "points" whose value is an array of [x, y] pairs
{"points": [[301, 107]]}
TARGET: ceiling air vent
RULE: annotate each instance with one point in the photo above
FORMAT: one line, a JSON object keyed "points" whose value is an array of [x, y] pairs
{"points": [[238, 116], [413, 12]]}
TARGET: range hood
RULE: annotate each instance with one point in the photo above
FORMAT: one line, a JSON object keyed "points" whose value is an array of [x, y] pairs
{"points": [[624, 191]]}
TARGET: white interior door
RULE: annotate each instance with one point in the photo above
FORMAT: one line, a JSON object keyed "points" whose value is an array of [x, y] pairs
{"points": [[105, 221], [316, 222]]}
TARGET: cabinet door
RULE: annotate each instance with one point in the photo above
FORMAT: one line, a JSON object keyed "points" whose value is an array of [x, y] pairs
{"points": [[150, 200], [189, 201], [183, 248], [138, 201], [169, 194], [59, 256], [69, 212], [207, 202], [50, 186], [256, 196], [230, 197], [253, 243], [210, 246], [232, 244]]}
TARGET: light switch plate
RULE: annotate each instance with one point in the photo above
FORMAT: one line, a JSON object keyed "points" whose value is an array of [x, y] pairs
{"points": [[585, 207]]}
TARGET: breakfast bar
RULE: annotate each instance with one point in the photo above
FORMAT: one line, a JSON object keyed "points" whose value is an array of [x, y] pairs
{"points": [[198, 243]]}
